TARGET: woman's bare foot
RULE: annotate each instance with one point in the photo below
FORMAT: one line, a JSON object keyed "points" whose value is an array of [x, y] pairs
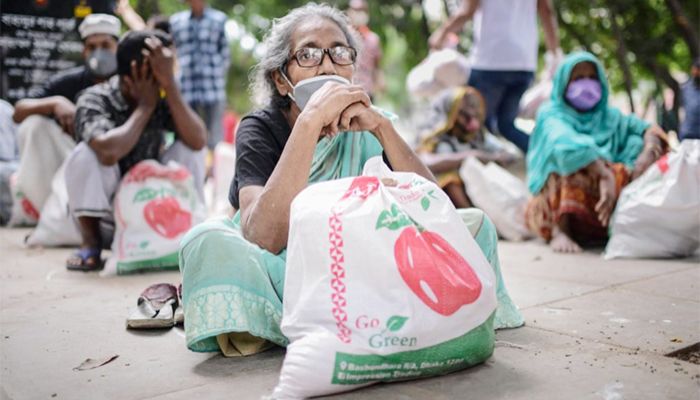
{"points": [[561, 243]]}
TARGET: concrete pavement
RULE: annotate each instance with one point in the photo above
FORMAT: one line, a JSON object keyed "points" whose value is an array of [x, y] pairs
{"points": [[595, 330]]}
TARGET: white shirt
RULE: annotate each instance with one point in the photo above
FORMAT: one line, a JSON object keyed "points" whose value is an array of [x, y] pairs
{"points": [[505, 35]]}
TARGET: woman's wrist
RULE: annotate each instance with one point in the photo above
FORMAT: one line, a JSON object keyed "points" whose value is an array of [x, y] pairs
{"points": [[307, 124], [384, 131]]}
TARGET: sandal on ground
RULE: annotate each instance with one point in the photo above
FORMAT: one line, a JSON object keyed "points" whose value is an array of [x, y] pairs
{"points": [[155, 308], [88, 260]]}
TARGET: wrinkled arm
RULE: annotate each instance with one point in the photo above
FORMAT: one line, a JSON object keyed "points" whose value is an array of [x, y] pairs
{"points": [[265, 210], [399, 153], [444, 162]]}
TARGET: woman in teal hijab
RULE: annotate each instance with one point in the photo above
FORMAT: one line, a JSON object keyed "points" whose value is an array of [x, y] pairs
{"points": [[582, 152], [233, 269]]}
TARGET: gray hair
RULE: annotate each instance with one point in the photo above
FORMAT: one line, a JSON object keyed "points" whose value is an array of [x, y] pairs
{"points": [[277, 45]]}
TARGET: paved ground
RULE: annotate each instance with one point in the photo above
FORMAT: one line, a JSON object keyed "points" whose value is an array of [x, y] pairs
{"points": [[595, 330]]}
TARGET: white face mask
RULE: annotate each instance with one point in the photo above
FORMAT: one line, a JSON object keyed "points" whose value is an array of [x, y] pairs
{"points": [[304, 89]]}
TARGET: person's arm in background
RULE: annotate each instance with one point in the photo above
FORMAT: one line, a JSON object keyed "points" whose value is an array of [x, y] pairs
{"points": [[548, 18], [116, 143], [655, 146], [224, 50], [454, 23], [550, 26], [448, 162], [189, 127], [57, 106], [130, 17], [443, 162]]}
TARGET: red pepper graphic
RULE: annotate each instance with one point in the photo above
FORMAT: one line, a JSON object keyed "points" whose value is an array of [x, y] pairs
{"points": [[435, 271], [166, 217], [29, 208]]}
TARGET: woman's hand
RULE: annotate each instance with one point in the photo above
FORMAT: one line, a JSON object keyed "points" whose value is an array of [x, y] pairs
{"points": [[608, 195], [359, 117], [328, 103], [655, 145]]}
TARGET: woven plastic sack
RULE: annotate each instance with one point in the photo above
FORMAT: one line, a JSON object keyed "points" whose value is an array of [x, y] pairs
{"points": [[440, 70], [23, 212], [154, 207], [500, 194], [658, 214], [56, 226], [383, 283]]}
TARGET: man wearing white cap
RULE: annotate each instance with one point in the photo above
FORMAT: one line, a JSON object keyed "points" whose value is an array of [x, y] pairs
{"points": [[46, 118]]}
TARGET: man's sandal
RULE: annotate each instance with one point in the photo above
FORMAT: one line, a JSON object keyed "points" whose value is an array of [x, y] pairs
{"points": [[85, 260]]}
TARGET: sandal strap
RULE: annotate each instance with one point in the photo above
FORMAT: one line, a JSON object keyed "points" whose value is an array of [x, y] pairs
{"points": [[86, 253]]}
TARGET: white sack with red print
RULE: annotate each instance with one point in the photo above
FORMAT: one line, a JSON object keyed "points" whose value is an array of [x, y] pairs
{"points": [[154, 207], [658, 214], [23, 212], [383, 283]]}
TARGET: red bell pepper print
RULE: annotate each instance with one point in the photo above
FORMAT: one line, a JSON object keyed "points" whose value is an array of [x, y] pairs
{"points": [[662, 163], [29, 209], [429, 265], [166, 218], [435, 271]]}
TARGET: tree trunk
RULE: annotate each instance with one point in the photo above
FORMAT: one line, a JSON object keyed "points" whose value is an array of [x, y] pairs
{"points": [[621, 54], [425, 27], [688, 30], [662, 74]]}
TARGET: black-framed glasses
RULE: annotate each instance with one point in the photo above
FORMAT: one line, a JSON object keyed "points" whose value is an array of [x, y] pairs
{"points": [[309, 57]]}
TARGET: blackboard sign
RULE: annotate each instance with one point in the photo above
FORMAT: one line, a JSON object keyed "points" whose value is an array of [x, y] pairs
{"points": [[39, 38]]}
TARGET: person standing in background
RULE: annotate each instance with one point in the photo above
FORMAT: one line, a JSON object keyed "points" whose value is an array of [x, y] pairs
{"points": [[369, 74], [690, 127], [504, 55], [203, 58]]}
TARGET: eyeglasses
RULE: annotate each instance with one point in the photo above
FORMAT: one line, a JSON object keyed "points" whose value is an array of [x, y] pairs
{"points": [[309, 57]]}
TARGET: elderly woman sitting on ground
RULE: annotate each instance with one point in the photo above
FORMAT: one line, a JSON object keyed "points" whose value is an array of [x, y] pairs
{"points": [[582, 153], [315, 126], [453, 132]]}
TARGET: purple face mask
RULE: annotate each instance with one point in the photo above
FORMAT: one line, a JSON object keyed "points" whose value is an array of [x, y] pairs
{"points": [[584, 94]]}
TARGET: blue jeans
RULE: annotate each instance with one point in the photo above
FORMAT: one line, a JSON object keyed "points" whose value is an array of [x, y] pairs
{"points": [[212, 115], [502, 91]]}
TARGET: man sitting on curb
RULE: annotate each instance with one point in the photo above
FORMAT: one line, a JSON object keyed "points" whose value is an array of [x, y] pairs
{"points": [[46, 118], [122, 122]]}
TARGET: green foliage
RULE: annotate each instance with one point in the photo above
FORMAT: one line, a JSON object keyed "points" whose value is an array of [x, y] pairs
{"points": [[653, 43]]}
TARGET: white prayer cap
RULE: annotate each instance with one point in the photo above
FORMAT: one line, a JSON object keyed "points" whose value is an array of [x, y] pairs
{"points": [[100, 23]]}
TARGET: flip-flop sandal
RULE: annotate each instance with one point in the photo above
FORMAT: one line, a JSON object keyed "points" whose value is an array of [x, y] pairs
{"points": [[155, 308], [85, 255]]}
